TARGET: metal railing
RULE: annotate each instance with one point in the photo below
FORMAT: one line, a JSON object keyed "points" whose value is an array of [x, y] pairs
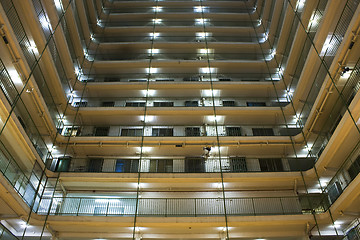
{"points": [[169, 207]]}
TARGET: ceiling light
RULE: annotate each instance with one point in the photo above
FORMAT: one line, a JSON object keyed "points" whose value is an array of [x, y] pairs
{"points": [[15, 77], [157, 9], [199, 9], [151, 70], [154, 35], [157, 21], [199, 21]]}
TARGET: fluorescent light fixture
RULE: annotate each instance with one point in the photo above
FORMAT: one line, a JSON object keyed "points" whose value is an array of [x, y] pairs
{"points": [[199, 21], [308, 147], [58, 5], [33, 47], [212, 118], [15, 77], [154, 35], [346, 75], [207, 70], [210, 93], [153, 51], [157, 9], [157, 21], [151, 70], [78, 71], [199, 9], [300, 4], [148, 92], [202, 34], [314, 20], [44, 23], [205, 51], [147, 118]]}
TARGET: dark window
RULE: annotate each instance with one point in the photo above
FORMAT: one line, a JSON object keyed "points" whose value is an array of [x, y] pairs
{"points": [[334, 191], [255, 104], [238, 164], [137, 80], [164, 80], [229, 103], [108, 104], [95, 164], [233, 131], [263, 132], [162, 132], [271, 164], [192, 131], [111, 79], [161, 165], [135, 104], [136, 132], [126, 165], [194, 164], [191, 79], [80, 104], [224, 79], [354, 168], [163, 104], [191, 103], [63, 164], [102, 131], [75, 131]]}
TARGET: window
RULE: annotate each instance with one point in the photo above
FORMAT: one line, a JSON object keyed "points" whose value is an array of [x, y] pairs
{"points": [[238, 164], [135, 104], [233, 131], [191, 79], [162, 132], [263, 132], [255, 104], [163, 104], [102, 131], [75, 131], [80, 104], [224, 79], [111, 79], [137, 80], [95, 164], [164, 80], [126, 165], [136, 132], [192, 131], [191, 103], [229, 103], [194, 164], [161, 165], [108, 104], [271, 164], [354, 169]]}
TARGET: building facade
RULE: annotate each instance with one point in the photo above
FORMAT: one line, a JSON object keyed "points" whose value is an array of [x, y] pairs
{"points": [[170, 119]]}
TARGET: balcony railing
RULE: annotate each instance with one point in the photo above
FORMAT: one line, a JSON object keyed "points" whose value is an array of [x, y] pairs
{"points": [[190, 56], [207, 101], [170, 207], [181, 77], [181, 131], [194, 164], [196, 37]]}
